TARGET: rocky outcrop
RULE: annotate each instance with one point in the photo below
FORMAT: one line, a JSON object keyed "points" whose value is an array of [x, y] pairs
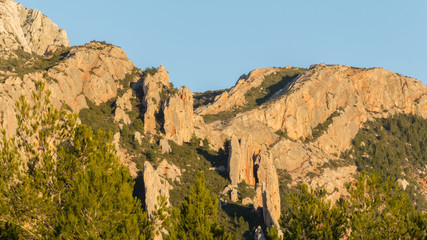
{"points": [[169, 171], [331, 101], [267, 177], [92, 71], [155, 186], [236, 96], [241, 160], [178, 116], [123, 105], [29, 30], [153, 87]]}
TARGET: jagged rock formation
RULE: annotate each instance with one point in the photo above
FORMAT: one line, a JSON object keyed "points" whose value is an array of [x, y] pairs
{"points": [[169, 171], [241, 160], [123, 104], [312, 121], [178, 116], [267, 177], [153, 87], [167, 110], [236, 96], [92, 71], [155, 186], [29, 30], [301, 129]]}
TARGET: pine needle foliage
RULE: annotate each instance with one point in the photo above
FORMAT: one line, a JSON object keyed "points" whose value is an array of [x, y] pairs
{"points": [[196, 217], [59, 180]]}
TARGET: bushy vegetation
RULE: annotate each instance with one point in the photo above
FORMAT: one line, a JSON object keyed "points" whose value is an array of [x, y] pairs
{"points": [[196, 216], [323, 127], [376, 209], [204, 98], [99, 117], [394, 147], [193, 159], [24, 63], [59, 180], [257, 96]]}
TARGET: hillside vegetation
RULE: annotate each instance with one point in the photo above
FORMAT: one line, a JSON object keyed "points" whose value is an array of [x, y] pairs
{"points": [[395, 147]]}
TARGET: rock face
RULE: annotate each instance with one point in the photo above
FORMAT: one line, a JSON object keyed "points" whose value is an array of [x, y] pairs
{"points": [[92, 71], [267, 177], [241, 160], [123, 104], [178, 116], [28, 30], [236, 96], [338, 98], [153, 87], [169, 171], [155, 186]]}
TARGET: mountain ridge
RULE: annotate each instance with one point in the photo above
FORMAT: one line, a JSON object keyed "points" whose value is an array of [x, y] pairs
{"points": [[273, 121]]}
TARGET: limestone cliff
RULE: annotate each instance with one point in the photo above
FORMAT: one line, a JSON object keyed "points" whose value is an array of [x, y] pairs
{"points": [[92, 71], [310, 122], [236, 96], [154, 86], [28, 30], [178, 116]]}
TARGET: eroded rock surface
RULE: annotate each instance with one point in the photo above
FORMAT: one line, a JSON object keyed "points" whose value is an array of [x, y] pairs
{"points": [[268, 178], [155, 186], [92, 71], [153, 87], [178, 116], [29, 30]]}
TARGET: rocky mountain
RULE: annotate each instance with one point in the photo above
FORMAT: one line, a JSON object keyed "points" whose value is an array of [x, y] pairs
{"points": [[29, 30], [274, 130]]}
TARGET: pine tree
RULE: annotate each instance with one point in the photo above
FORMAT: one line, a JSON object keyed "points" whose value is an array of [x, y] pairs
{"points": [[196, 217], [59, 180], [310, 216], [379, 209]]}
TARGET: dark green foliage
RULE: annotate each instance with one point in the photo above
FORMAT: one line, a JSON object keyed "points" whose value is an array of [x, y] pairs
{"points": [[309, 216], [273, 233], [129, 77], [394, 147], [195, 218], [272, 83], [9, 231], [257, 96], [25, 63], [65, 182], [245, 190], [201, 99], [239, 220], [148, 71], [99, 117], [323, 127], [383, 208], [375, 209], [193, 159]]}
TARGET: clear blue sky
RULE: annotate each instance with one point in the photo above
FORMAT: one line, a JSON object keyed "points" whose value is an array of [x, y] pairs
{"points": [[207, 45]]}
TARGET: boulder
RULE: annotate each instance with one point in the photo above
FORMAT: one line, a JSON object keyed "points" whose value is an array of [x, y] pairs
{"points": [[138, 137], [123, 105], [259, 234], [164, 146], [169, 171]]}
